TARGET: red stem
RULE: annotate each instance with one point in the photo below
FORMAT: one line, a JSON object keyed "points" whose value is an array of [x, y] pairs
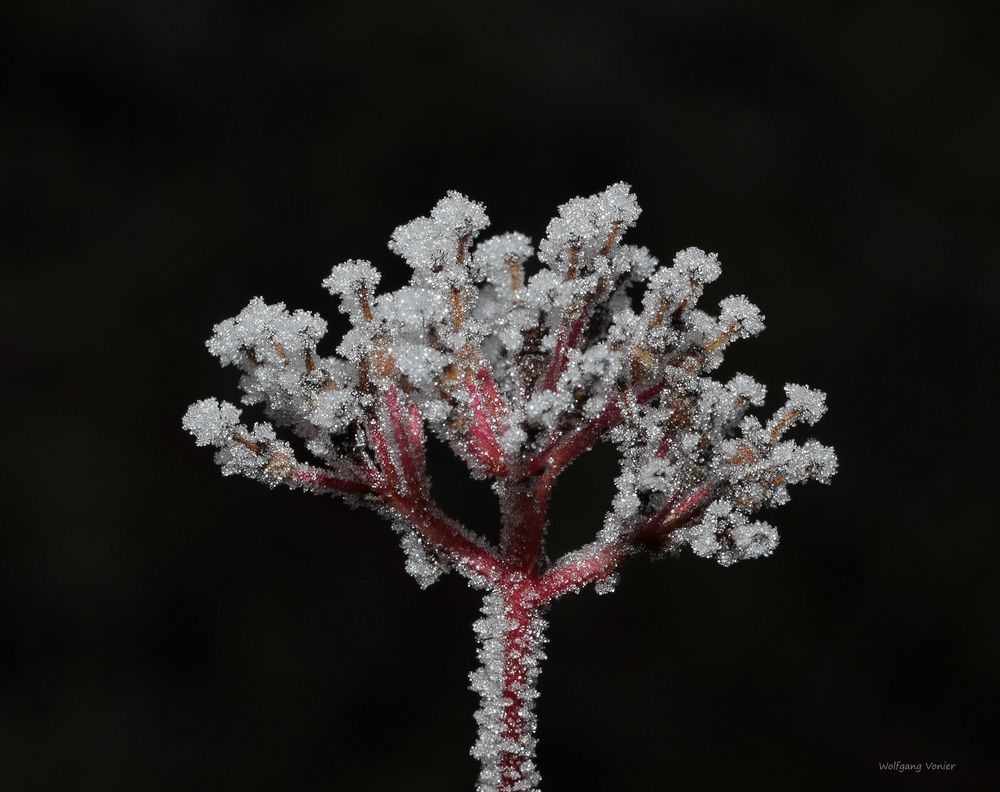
{"points": [[524, 506], [511, 651], [408, 447], [519, 650]]}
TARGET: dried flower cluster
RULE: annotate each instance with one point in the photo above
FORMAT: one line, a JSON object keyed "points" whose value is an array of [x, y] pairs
{"points": [[520, 375]]}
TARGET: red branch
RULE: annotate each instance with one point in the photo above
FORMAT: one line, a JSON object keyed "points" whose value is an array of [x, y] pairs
{"points": [[410, 448], [657, 530], [482, 440], [491, 394], [413, 505], [564, 343], [589, 564], [445, 535], [319, 478], [416, 429], [567, 446], [389, 475], [598, 560]]}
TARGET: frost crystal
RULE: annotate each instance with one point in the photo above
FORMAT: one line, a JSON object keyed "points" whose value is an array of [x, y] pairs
{"points": [[520, 366]]}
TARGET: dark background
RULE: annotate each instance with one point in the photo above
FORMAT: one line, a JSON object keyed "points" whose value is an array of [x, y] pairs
{"points": [[163, 162]]}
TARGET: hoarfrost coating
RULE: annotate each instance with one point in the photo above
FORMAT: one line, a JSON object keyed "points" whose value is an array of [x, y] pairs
{"points": [[519, 367]]}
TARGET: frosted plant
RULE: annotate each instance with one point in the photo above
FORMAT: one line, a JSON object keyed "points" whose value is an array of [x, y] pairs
{"points": [[519, 376]]}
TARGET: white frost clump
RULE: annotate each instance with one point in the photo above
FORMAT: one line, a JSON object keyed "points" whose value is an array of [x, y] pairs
{"points": [[437, 247], [726, 535], [256, 453], [210, 422], [583, 234], [421, 563]]}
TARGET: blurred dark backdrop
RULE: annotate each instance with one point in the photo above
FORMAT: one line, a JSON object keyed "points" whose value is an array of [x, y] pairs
{"points": [[163, 162]]}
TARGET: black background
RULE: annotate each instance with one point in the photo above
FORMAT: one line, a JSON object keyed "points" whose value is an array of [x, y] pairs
{"points": [[163, 162]]}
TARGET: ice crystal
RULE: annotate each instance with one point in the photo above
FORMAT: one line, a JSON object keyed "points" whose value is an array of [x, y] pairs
{"points": [[520, 366]]}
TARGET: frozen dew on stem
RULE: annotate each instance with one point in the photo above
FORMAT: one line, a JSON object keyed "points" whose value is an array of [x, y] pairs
{"points": [[520, 363]]}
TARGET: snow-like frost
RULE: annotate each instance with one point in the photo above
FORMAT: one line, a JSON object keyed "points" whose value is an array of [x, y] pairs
{"points": [[211, 422], [420, 563], [810, 403]]}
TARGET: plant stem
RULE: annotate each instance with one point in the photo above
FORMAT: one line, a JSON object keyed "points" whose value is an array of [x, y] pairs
{"points": [[511, 637], [524, 509]]}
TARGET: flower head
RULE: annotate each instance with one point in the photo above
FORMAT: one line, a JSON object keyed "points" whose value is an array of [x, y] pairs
{"points": [[520, 366]]}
